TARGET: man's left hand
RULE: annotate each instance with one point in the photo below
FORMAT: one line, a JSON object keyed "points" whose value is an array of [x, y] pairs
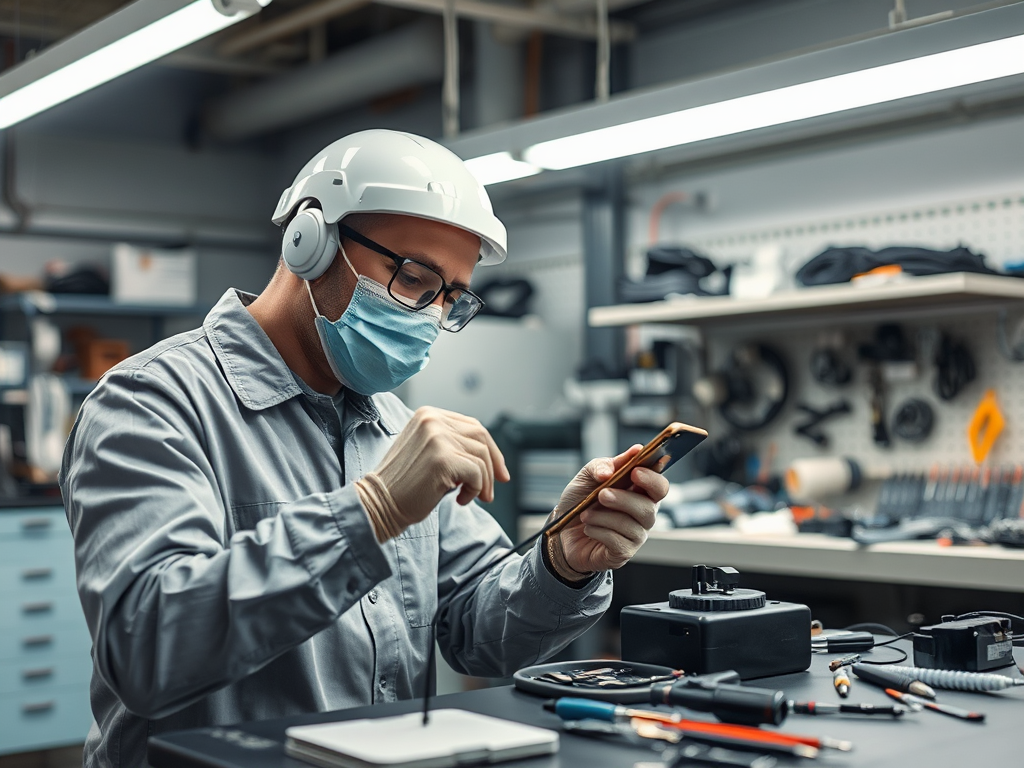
{"points": [[608, 533]]}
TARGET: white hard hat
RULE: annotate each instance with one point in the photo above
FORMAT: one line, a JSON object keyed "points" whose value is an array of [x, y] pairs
{"points": [[383, 171]]}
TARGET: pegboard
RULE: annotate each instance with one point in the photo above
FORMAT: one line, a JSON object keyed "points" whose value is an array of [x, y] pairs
{"points": [[993, 225], [851, 435]]}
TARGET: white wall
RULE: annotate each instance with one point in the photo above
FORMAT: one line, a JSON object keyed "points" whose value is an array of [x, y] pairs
{"points": [[972, 159], [758, 31]]}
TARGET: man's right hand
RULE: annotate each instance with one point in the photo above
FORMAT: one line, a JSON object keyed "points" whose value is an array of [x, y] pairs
{"points": [[437, 452]]}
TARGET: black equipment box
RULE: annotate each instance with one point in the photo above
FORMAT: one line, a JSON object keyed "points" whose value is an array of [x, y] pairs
{"points": [[715, 626], [971, 644]]}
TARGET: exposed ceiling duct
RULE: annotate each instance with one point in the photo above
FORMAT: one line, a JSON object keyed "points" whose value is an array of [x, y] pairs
{"points": [[413, 55]]}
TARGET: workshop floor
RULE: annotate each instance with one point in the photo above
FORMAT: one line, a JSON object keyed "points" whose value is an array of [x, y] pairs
{"points": [[67, 757]]}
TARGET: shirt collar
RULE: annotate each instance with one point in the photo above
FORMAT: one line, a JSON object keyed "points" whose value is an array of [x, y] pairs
{"points": [[254, 368]]}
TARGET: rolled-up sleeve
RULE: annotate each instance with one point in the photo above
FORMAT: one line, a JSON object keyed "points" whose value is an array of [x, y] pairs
{"points": [[177, 606], [515, 614]]}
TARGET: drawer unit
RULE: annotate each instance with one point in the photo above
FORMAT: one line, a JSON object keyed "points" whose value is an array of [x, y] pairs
{"points": [[49, 641], [33, 522], [44, 719], [32, 676], [45, 663], [37, 567], [26, 614]]}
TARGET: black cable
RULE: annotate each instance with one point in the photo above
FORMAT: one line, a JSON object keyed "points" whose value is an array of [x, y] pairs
{"points": [[473, 576], [903, 657], [875, 629], [913, 420], [954, 368], [828, 368], [979, 614], [772, 360], [904, 636], [1017, 641], [882, 629], [1015, 353]]}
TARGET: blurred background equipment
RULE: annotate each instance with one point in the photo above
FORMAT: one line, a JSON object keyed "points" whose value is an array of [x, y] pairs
{"points": [[750, 391], [747, 278], [151, 276]]}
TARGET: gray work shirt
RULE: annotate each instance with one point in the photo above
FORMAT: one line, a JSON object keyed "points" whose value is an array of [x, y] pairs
{"points": [[228, 571]]}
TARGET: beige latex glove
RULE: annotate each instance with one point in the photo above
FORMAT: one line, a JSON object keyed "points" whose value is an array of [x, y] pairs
{"points": [[606, 535], [437, 452]]}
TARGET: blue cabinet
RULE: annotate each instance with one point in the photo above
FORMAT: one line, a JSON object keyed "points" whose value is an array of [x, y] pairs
{"points": [[45, 662]]}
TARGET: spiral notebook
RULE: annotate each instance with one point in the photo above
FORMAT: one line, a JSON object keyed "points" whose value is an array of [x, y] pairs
{"points": [[452, 737]]}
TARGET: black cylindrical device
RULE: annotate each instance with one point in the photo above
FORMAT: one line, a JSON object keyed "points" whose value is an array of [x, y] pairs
{"points": [[730, 703]]}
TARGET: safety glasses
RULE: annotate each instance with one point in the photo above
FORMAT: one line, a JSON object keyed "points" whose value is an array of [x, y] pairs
{"points": [[416, 286]]}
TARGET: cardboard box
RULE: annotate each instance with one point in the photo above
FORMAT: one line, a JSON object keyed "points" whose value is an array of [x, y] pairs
{"points": [[100, 355], [149, 276]]}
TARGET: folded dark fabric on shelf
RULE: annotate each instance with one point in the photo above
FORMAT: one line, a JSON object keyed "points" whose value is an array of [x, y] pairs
{"points": [[80, 279], [839, 265], [675, 270]]}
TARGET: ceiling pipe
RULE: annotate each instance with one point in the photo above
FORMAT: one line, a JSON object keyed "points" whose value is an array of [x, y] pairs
{"points": [[582, 6], [414, 55], [584, 27], [19, 212], [299, 20], [450, 88]]}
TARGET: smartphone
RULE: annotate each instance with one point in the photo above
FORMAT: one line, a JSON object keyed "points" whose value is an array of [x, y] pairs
{"points": [[675, 441]]}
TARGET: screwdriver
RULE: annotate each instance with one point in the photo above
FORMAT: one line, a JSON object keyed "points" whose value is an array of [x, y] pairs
{"points": [[822, 708], [934, 706], [572, 708], [727, 700], [841, 681]]}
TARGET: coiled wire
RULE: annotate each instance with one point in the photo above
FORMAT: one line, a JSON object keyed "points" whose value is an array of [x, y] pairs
{"points": [[955, 680]]}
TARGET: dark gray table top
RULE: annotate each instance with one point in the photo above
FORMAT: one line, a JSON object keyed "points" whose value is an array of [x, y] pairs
{"points": [[923, 739]]}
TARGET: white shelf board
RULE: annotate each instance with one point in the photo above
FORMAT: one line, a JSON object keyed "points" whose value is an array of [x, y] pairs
{"points": [[808, 554], [960, 289]]}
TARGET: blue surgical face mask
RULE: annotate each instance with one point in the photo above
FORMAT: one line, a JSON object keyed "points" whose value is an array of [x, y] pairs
{"points": [[377, 343]]}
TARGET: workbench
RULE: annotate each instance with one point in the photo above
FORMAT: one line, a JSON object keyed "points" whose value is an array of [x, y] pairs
{"points": [[923, 563], [923, 738]]}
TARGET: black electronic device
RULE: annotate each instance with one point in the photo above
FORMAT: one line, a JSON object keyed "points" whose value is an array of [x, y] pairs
{"points": [[716, 626], [975, 644], [721, 695]]}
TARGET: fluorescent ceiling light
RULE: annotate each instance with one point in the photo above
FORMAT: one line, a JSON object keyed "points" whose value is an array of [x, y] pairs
{"points": [[141, 46], [877, 85], [498, 167]]}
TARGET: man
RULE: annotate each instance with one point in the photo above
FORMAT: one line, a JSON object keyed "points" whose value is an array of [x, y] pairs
{"points": [[260, 530]]}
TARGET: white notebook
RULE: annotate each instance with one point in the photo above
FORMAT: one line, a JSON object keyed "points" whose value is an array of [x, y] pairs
{"points": [[453, 737]]}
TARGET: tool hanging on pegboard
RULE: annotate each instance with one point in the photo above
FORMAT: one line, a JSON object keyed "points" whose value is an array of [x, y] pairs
{"points": [[811, 427], [954, 368], [750, 391]]}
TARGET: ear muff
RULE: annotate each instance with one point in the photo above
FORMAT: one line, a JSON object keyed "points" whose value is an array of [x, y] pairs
{"points": [[309, 245]]}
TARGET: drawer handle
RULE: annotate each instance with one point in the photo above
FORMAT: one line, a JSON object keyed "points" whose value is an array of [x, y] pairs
{"points": [[36, 574], [37, 707], [36, 674], [35, 523], [43, 606], [35, 641]]}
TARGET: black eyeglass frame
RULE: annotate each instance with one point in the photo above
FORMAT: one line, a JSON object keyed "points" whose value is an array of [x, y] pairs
{"points": [[446, 288]]}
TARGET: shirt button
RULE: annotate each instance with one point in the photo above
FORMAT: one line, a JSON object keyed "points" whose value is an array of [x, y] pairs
{"points": [[373, 599]]}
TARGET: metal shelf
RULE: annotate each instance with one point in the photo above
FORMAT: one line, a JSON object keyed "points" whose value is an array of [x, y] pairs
{"points": [[86, 304], [952, 292], [922, 563]]}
